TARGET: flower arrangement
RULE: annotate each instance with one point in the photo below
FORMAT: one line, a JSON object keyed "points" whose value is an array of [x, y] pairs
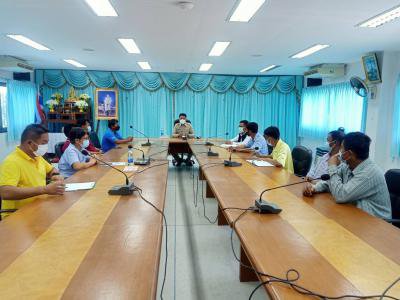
{"points": [[51, 103], [84, 97], [81, 104], [57, 97]]}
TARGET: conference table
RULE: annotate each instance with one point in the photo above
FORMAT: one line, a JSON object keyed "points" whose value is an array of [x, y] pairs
{"points": [[89, 245]]}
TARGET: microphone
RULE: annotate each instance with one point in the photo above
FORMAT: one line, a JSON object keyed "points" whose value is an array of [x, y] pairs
{"points": [[119, 190], [147, 144], [141, 162], [230, 163], [207, 143], [265, 207]]}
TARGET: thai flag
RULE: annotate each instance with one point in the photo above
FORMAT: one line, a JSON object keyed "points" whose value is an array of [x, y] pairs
{"points": [[40, 116]]}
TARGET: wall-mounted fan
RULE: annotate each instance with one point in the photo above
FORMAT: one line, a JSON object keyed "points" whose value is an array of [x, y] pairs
{"points": [[359, 86]]}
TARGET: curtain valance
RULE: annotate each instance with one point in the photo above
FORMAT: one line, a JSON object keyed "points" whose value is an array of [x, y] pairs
{"points": [[173, 81]]}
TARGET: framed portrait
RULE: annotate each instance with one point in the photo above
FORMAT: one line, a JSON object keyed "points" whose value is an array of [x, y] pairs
{"points": [[371, 68], [106, 104]]}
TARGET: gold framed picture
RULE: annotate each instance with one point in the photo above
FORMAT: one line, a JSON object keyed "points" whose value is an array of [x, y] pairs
{"points": [[106, 104], [371, 68]]}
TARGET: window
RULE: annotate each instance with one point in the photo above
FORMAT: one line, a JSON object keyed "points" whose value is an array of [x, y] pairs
{"points": [[329, 107], [3, 107]]}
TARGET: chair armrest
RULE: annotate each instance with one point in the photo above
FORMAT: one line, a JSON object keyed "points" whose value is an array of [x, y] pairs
{"points": [[395, 221]]}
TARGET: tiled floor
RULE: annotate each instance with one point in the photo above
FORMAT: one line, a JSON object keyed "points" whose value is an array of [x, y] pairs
{"points": [[200, 260]]}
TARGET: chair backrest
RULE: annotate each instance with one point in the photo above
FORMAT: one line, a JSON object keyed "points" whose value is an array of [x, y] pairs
{"points": [[393, 183], [302, 159], [57, 149], [94, 138]]}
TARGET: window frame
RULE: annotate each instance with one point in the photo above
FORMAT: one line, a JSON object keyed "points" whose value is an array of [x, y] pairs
{"points": [[2, 129]]}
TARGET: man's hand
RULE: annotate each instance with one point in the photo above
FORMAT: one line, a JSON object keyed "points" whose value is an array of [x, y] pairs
{"points": [[334, 160], [92, 161], [309, 190], [57, 178], [55, 188], [228, 142], [130, 139]]}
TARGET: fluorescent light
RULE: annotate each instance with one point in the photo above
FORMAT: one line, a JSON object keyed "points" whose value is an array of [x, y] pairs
{"points": [[205, 67], [385, 17], [269, 68], [246, 10], [309, 51], [218, 48], [24, 40], [74, 63], [144, 65], [129, 45], [102, 8]]}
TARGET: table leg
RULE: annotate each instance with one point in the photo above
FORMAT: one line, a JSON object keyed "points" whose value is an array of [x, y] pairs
{"points": [[201, 174], [209, 192], [221, 218], [246, 275]]}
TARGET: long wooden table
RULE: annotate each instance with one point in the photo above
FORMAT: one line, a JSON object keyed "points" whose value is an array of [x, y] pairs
{"points": [[87, 244], [338, 249]]}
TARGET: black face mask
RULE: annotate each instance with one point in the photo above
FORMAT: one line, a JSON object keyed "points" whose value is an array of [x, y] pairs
{"points": [[116, 128]]}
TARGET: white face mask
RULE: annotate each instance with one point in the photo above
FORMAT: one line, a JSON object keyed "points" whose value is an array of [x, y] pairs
{"points": [[241, 130], [89, 129], [42, 150], [182, 121], [85, 144]]}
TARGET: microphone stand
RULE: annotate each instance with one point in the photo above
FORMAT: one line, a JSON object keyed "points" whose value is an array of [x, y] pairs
{"points": [[118, 190], [147, 144], [140, 162], [207, 143], [230, 163]]}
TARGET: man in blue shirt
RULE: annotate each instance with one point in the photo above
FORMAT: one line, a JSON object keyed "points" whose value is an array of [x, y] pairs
{"points": [[112, 137], [256, 144]]}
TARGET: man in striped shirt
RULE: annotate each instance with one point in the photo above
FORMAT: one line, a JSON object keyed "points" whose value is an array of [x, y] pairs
{"points": [[355, 178]]}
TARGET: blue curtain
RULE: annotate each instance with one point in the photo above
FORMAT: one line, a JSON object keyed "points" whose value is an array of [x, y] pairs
{"points": [[329, 107], [395, 149], [21, 103], [214, 114]]}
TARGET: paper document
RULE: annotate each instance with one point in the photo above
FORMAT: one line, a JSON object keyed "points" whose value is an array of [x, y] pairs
{"points": [[260, 163], [114, 163], [130, 169], [228, 146], [69, 187]]}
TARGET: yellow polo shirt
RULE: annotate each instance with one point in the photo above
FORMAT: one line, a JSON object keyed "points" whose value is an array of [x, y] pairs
{"points": [[283, 155], [19, 169]]}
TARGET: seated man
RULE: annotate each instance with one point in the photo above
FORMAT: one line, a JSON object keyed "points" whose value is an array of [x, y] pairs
{"points": [[334, 141], [183, 129], [355, 178], [281, 155], [72, 159], [85, 125], [23, 173], [242, 138], [112, 138], [256, 143]]}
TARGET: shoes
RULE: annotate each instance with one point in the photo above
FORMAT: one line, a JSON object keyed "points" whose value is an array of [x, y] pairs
{"points": [[189, 162]]}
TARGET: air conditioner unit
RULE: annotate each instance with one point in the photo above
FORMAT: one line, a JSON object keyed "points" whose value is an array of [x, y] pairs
{"points": [[13, 64], [326, 70]]}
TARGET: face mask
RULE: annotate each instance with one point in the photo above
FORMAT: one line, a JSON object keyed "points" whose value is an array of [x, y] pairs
{"points": [[331, 144], [182, 121], [85, 144], [116, 128], [342, 160], [42, 150], [89, 129], [241, 130]]}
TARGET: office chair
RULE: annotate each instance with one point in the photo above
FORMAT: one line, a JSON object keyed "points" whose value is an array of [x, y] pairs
{"points": [[5, 210], [57, 149], [302, 159], [94, 138], [392, 177]]}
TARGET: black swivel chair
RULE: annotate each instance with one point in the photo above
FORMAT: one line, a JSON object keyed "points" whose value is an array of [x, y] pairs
{"points": [[393, 183], [94, 138], [302, 159], [58, 149], [5, 210]]}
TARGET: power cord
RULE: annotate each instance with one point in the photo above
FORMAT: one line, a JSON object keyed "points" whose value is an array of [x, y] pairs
{"points": [[291, 282], [139, 190]]}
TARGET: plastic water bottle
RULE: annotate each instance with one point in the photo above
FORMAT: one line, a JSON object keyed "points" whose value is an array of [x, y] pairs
{"points": [[162, 132], [130, 157]]}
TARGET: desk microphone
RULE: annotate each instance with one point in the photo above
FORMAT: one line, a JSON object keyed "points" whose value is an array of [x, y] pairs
{"points": [[147, 144], [141, 162], [119, 190], [207, 143], [265, 207], [230, 163]]}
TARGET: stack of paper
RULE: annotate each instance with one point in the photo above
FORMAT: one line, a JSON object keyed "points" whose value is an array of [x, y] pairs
{"points": [[70, 187], [228, 146], [260, 163]]}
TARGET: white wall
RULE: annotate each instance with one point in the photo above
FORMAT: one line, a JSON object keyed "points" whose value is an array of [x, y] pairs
{"points": [[379, 111]]}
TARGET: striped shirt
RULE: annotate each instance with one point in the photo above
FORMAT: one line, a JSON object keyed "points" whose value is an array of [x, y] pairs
{"points": [[320, 167], [364, 187]]}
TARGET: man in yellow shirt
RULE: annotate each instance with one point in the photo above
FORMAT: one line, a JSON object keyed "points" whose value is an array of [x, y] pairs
{"points": [[24, 172], [281, 155]]}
